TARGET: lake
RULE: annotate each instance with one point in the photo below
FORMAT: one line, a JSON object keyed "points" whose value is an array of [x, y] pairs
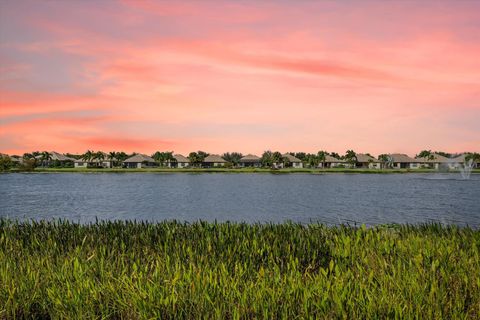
{"points": [[326, 198]]}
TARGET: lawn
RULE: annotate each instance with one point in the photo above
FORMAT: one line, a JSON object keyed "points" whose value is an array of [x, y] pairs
{"points": [[173, 270]]}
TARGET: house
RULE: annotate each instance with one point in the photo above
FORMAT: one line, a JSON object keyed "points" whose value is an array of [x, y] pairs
{"points": [[139, 161], [402, 161], [213, 160], [293, 161], [436, 162], [105, 162], [367, 161], [54, 158], [459, 162], [250, 160], [179, 161], [289, 161], [331, 162]]}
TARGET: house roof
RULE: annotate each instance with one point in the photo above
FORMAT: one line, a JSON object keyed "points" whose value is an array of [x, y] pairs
{"points": [[330, 159], [215, 158], [366, 158], [437, 159], [250, 158], [291, 158], [180, 158], [55, 156], [403, 158], [459, 159], [138, 158]]}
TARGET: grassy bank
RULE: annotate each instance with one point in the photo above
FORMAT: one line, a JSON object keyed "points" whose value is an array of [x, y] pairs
{"points": [[173, 270], [244, 170]]}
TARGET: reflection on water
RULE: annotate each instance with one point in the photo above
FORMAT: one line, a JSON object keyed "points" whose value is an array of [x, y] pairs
{"points": [[330, 198]]}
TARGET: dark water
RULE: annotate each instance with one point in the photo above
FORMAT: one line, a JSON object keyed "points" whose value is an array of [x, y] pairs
{"points": [[330, 198]]}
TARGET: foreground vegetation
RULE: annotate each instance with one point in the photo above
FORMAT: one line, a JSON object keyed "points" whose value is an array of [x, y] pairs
{"points": [[226, 270]]}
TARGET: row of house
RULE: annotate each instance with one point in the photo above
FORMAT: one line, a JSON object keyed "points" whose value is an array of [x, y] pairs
{"points": [[395, 161]]}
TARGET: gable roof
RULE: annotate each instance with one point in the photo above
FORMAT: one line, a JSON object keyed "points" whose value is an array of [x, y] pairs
{"points": [[366, 158], [250, 158], [330, 159], [291, 158], [138, 158], [460, 159], [403, 158], [437, 159], [214, 158], [180, 158], [55, 156]]}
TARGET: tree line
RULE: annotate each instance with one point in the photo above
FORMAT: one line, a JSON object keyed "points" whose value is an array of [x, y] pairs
{"points": [[196, 158]]}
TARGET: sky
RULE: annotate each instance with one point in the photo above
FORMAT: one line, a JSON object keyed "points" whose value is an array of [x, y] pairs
{"points": [[245, 76]]}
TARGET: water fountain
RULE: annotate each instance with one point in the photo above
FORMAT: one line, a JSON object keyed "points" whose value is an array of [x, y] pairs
{"points": [[466, 169]]}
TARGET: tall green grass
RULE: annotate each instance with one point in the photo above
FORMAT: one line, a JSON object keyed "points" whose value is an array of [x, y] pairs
{"points": [[111, 270]]}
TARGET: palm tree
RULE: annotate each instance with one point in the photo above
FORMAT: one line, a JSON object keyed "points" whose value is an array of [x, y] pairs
{"points": [[87, 156], [99, 156], [112, 155], [45, 157], [351, 157], [277, 158], [385, 159], [322, 157]]}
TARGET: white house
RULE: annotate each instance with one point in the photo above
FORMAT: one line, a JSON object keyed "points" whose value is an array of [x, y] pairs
{"points": [[213, 160], [402, 161], [140, 161], [106, 162], [250, 160], [331, 162], [367, 161], [437, 162], [292, 161], [459, 162], [179, 161]]}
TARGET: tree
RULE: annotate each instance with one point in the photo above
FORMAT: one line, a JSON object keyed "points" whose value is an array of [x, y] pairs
{"points": [[425, 154], [311, 160], [121, 156], [267, 159], [351, 157], [112, 155], [277, 158], [475, 157], [233, 158], [385, 159], [335, 155], [196, 158], [5, 163], [322, 157], [45, 157], [88, 156]]}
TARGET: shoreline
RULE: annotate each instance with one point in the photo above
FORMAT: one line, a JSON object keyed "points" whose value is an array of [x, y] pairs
{"points": [[239, 171]]}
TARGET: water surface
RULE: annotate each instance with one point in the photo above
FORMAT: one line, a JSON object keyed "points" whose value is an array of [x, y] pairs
{"points": [[327, 198]]}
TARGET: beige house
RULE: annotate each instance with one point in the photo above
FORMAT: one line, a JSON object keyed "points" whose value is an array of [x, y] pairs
{"points": [[250, 160], [436, 162], [55, 156], [292, 161], [179, 161], [367, 161], [213, 160], [459, 162], [139, 161], [402, 161], [332, 162], [106, 162]]}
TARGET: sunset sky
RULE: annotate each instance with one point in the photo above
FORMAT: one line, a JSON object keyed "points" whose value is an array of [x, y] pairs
{"points": [[246, 76]]}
